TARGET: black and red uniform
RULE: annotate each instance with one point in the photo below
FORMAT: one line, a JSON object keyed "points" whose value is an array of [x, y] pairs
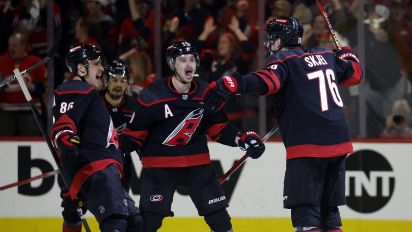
{"points": [[170, 133], [313, 125], [94, 173], [122, 115]]}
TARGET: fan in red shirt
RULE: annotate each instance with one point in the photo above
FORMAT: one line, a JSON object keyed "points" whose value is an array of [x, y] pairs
{"points": [[15, 115]]}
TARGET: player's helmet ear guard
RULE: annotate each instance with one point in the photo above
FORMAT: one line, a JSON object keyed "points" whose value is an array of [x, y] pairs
{"points": [[179, 48], [81, 54], [116, 68], [288, 29]]}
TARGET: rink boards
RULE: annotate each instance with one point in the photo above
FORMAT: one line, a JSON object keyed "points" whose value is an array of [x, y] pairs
{"points": [[378, 190]]}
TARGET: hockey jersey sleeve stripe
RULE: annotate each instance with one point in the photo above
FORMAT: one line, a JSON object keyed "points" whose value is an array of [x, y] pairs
{"points": [[215, 131], [74, 91], [271, 80], [63, 123], [175, 161], [83, 174], [356, 76], [138, 137], [319, 151]]}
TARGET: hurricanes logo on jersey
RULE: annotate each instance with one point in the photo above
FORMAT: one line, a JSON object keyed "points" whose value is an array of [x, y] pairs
{"points": [[181, 135]]}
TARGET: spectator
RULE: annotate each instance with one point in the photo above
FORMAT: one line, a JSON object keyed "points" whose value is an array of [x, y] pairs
{"points": [[191, 18], [242, 12], [401, 28], [278, 8], [107, 26], [384, 84], [398, 122], [86, 32], [138, 28], [16, 118], [234, 51]]}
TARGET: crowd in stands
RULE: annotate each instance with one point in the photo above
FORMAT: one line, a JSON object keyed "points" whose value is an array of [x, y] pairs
{"points": [[226, 33]]}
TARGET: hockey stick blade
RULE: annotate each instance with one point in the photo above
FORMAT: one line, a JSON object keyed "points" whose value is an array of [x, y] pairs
{"points": [[12, 77], [29, 180], [242, 160], [329, 25]]}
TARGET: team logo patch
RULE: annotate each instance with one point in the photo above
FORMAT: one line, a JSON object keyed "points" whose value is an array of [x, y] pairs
{"points": [[181, 135], [185, 97], [102, 209], [156, 198]]}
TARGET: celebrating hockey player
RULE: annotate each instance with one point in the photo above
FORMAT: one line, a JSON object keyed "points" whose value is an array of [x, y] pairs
{"points": [[83, 133], [121, 106], [170, 133], [311, 119]]}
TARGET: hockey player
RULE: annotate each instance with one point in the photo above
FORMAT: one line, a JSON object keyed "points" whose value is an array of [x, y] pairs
{"points": [[170, 133], [311, 119], [83, 133], [121, 107]]}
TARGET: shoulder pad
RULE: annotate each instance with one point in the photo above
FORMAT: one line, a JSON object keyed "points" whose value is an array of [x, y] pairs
{"points": [[74, 87], [155, 93], [316, 49], [283, 55]]}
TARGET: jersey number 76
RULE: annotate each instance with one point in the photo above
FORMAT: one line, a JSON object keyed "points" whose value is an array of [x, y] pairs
{"points": [[333, 88]]}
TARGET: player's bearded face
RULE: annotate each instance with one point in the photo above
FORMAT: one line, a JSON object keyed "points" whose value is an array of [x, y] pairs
{"points": [[186, 66], [116, 86], [95, 75]]}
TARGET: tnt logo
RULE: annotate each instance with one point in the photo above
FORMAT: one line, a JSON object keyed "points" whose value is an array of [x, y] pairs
{"points": [[370, 181]]}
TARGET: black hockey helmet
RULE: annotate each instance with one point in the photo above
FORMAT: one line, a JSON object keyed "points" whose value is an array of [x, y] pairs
{"points": [[116, 68], [179, 48], [81, 54], [288, 29]]}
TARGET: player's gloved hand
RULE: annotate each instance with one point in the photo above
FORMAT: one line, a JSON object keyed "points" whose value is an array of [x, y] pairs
{"points": [[68, 143], [346, 53], [220, 90], [251, 143]]}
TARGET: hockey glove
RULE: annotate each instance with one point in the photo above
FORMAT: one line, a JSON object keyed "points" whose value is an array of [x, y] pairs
{"points": [[219, 91], [346, 53], [252, 144], [68, 143]]}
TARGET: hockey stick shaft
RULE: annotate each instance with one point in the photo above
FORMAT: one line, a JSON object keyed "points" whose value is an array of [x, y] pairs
{"points": [[29, 180], [329, 25], [12, 77], [242, 160], [28, 97]]}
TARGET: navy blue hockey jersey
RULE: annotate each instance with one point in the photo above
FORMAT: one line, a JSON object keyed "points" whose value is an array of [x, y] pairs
{"points": [[308, 106], [170, 129], [78, 108], [123, 114]]}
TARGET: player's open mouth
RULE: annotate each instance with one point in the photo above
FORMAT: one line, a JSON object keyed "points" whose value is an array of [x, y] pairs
{"points": [[189, 73], [117, 90]]}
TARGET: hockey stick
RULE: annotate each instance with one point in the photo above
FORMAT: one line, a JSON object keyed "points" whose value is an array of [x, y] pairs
{"points": [[327, 21], [242, 160], [12, 77], [29, 180], [29, 99]]}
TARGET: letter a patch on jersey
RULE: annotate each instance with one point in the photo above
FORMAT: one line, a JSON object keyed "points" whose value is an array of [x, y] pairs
{"points": [[168, 112], [181, 135]]}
